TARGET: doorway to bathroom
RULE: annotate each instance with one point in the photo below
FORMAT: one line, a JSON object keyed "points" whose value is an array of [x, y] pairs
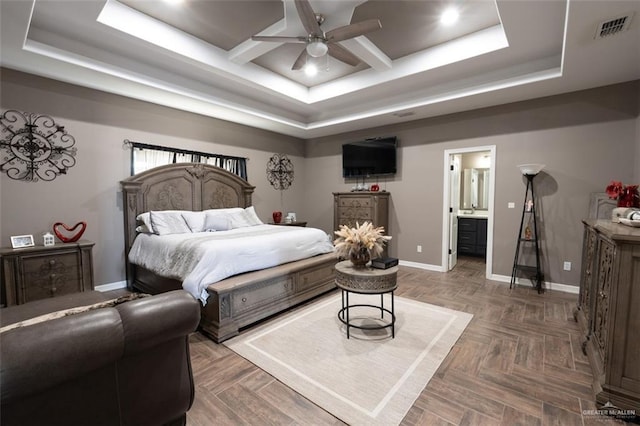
{"points": [[469, 188]]}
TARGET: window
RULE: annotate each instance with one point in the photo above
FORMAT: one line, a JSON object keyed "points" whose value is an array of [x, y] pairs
{"points": [[145, 157]]}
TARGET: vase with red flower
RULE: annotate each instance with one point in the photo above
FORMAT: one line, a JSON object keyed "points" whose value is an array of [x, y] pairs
{"points": [[627, 195]]}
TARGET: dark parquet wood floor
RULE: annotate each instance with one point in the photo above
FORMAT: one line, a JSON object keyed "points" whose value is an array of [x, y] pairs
{"points": [[518, 363]]}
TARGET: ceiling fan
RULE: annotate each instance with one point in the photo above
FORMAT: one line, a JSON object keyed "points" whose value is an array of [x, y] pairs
{"points": [[318, 43]]}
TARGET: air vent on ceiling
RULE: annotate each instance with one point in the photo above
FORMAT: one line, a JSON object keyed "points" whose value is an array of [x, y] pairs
{"points": [[404, 114], [613, 26]]}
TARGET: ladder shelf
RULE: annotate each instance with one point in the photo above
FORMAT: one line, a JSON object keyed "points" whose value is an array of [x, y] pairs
{"points": [[529, 242]]}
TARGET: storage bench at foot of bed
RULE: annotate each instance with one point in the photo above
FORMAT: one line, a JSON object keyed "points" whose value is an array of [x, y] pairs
{"points": [[244, 299]]}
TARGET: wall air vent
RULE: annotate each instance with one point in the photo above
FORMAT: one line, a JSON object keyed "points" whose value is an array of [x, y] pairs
{"points": [[613, 26]]}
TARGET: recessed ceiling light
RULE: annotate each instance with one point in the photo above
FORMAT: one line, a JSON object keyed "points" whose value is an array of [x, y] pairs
{"points": [[449, 16], [310, 70], [174, 1]]}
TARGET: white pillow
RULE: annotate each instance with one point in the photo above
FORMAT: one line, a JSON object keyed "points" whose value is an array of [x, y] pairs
{"points": [[244, 218], [143, 229], [195, 220], [216, 222], [145, 218], [169, 222], [224, 210]]}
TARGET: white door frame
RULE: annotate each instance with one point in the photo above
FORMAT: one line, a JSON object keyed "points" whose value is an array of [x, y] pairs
{"points": [[447, 203], [455, 174]]}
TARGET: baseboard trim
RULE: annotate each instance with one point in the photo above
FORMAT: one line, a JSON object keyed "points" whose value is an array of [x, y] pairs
{"points": [[436, 268], [566, 288], [111, 286]]}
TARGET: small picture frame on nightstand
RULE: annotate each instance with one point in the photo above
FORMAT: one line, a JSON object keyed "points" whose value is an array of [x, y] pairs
{"points": [[21, 241]]}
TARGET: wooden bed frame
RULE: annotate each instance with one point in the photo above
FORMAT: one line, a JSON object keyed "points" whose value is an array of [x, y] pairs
{"points": [[240, 300]]}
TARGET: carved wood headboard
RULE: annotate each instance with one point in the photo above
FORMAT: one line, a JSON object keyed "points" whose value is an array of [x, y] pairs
{"points": [[181, 186]]}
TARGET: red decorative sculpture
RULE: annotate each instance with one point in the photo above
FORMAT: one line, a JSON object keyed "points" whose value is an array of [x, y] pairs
{"points": [[277, 217], [72, 238]]}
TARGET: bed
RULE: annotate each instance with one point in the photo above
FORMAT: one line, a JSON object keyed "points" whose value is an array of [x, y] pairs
{"points": [[234, 302]]}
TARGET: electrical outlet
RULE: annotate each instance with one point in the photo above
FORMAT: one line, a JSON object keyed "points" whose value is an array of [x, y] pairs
{"points": [[511, 205], [567, 266], [419, 249]]}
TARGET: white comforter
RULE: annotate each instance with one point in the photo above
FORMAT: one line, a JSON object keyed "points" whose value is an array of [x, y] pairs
{"points": [[203, 258]]}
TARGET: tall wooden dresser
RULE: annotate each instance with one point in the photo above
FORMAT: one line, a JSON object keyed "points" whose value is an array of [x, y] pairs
{"points": [[352, 207], [41, 272], [609, 311]]}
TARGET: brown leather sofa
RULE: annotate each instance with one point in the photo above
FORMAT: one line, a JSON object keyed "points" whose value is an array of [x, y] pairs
{"points": [[123, 365]]}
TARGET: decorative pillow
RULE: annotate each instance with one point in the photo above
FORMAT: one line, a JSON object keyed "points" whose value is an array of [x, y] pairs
{"points": [[244, 218], [218, 219], [169, 222], [225, 210], [195, 220], [216, 222]]}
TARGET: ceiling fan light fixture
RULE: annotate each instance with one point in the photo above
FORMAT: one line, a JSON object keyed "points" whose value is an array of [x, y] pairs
{"points": [[317, 48], [311, 70]]}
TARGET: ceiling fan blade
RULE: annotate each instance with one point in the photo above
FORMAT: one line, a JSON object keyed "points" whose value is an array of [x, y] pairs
{"points": [[308, 17], [280, 39], [301, 61], [353, 30], [342, 54]]}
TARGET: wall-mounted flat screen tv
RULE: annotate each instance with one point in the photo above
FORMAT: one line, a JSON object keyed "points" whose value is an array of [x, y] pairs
{"points": [[371, 157]]}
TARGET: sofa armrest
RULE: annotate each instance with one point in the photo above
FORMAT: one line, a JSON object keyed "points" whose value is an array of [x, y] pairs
{"points": [[44, 355], [153, 320]]}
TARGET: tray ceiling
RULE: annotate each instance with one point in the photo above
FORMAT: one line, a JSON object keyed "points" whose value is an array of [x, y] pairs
{"points": [[199, 56]]}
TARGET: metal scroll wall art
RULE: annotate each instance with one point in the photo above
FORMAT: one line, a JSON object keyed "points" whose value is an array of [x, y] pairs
{"points": [[280, 171], [33, 147]]}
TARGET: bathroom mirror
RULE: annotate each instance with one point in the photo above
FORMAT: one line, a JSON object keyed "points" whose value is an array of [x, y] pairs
{"points": [[475, 189]]}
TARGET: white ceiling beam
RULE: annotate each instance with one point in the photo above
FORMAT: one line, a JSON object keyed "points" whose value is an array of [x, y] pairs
{"points": [[249, 50], [368, 52]]}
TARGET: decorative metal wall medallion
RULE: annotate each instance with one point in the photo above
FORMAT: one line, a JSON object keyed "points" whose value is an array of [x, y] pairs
{"points": [[33, 147], [280, 171]]}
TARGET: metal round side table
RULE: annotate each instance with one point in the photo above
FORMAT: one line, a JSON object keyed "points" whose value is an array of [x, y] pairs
{"points": [[366, 280]]}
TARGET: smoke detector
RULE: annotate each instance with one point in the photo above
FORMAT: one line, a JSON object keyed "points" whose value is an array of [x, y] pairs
{"points": [[613, 26]]}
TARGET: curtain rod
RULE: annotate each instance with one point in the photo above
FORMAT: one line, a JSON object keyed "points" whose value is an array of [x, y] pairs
{"points": [[133, 144]]}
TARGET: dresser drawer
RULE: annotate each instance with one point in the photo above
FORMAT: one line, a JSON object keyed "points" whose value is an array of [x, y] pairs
{"points": [[467, 238], [42, 272], [355, 202], [465, 224], [355, 214], [466, 249], [259, 295], [51, 275]]}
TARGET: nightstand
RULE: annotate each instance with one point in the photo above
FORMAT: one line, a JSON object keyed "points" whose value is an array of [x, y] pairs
{"points": [[289, 224], [40, 272]]}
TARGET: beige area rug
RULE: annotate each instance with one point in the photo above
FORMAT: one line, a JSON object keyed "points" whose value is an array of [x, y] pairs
{"points": [[369, 379]]}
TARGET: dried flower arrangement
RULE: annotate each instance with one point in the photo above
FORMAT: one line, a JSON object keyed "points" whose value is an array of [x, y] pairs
{"points": [[362, 241]]}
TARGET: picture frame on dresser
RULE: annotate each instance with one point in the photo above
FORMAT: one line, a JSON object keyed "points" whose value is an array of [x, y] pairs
{"points": [[21, 241]]}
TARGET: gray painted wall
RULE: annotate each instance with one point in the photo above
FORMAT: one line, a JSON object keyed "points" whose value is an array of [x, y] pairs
{"points": [[585, 139], [90, 191]]}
